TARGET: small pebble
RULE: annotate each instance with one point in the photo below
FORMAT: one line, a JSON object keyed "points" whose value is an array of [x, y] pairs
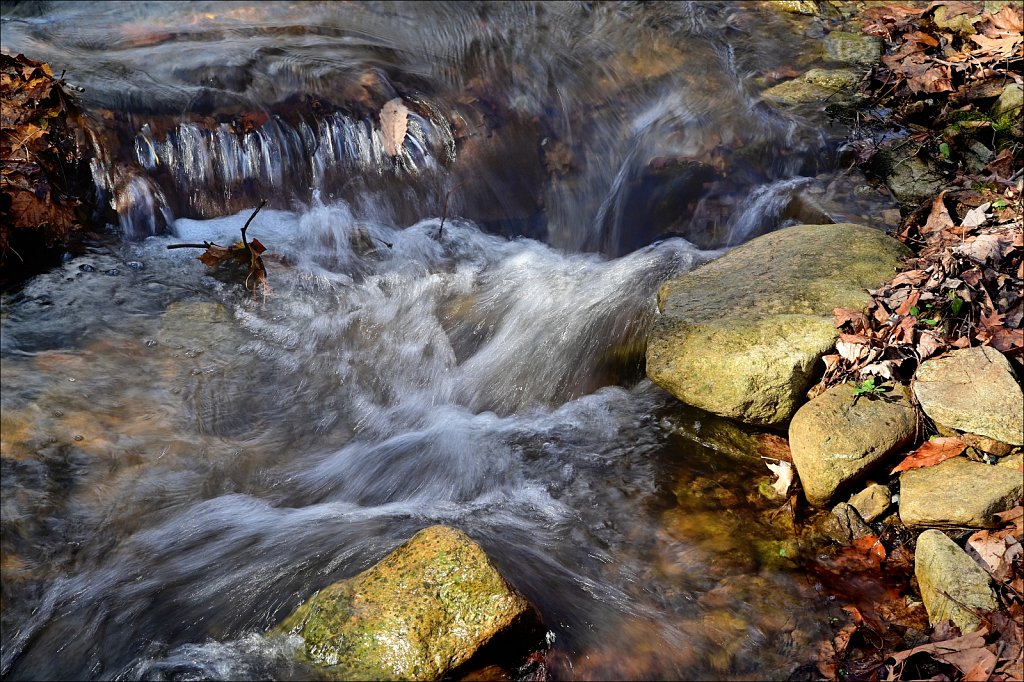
{"points": [[113, 272], [150, 343], [58, 413], [66, 257], [136, 265], [85, 267], [79, 438]]}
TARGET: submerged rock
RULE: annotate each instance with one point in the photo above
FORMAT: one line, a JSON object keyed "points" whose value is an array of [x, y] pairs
{"points": [[741, 336], [816, 85], [953, 586], [837, 437], [972, 390], [958, 492], [421, 612], [855, 48]]}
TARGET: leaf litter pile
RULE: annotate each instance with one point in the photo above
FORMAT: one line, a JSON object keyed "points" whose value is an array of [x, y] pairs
{"points": [[945, 67], [965, 284], [44, 159]]}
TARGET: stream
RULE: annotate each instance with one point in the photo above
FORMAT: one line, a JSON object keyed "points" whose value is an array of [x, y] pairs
{"points": [[450, 335]]}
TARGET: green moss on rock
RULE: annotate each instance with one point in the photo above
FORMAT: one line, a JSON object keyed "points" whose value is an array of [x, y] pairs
{"points": [[741, 335], [418, 614]]}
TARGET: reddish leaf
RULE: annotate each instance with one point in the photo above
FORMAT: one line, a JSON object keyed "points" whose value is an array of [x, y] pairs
{"points": [[930, 453]]}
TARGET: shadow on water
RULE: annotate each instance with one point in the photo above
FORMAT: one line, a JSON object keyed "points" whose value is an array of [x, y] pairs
{"points": [[184, 463]]}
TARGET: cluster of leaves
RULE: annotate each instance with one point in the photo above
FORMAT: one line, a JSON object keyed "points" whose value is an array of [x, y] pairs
{"points": [[880, 617], [965, 287], [947, 46], [43, 163], [247, 253], [947, 63]]}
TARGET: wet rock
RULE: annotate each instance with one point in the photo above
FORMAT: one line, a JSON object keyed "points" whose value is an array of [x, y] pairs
{"points": [[953, 586], [913, 181], [809, 7], [972, 390], [421, 612], [817, 85], [844, 525], [194, 325], [741, 336], [872, 502], [1010, 102], [958, 492], [855, 48], [837, 437]]}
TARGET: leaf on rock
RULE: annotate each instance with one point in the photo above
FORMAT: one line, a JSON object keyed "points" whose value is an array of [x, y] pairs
{"points": [[394, 124], [930, 453]]}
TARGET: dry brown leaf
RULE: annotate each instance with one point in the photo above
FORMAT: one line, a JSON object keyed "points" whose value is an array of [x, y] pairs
{"points": [[784, 471], [928, 344], [1014, 516], [394, 124], [939, 650], [1010, 18], [1000, 48], [985, 248], [995, 551], [930, 453], [939, 219], [856, 319], [977, 215], [911, 277]]}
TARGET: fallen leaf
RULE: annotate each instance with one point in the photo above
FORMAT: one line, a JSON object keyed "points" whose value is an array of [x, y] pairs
{"points": [[784, 471], [1010, 18], [977, 215], [995, 551], [930, 453], [394, 123], [939, 219], [855, 318], [939, 650]]}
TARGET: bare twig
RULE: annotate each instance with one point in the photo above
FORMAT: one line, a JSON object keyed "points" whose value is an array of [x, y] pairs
{"points": [[444, 211]]}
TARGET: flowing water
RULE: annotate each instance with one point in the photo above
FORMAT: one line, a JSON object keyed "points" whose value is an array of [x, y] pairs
{"points": [[453, 334]]}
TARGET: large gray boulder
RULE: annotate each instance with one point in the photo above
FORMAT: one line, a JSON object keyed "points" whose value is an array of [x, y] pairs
{"points": [[958, 493], [972, 390], [953, 586], [837, 437], [425, 609], [741, 335]]}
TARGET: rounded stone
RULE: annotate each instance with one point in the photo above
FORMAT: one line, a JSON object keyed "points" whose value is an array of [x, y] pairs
{"points": [[838, 437], [973, 390], [425, 609], [740, 336], [958, 493], [953, 586]]}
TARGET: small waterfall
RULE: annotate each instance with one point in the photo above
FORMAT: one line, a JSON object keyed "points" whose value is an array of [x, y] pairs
{"points": [[213, 170]]}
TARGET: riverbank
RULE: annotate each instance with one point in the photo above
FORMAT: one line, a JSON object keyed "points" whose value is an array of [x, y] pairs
{"points": [[916, 423]]}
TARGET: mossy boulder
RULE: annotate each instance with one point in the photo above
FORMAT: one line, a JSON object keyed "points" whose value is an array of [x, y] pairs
{"points": [[838, 437], [741, 336], [855, 48], [421, 612], [817, 86]]}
